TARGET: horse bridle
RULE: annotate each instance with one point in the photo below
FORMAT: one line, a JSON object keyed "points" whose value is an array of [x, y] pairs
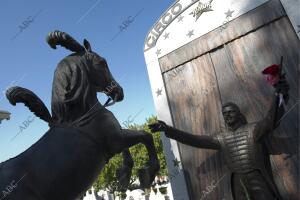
{"points": [[108, 103]]}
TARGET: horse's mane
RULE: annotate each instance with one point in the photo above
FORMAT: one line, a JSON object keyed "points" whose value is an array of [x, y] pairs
{"points": [[61, 38], [71, 93]]}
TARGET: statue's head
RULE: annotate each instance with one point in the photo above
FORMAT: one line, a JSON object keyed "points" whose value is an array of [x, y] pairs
{"points": [[99, 74], [232, 115]]}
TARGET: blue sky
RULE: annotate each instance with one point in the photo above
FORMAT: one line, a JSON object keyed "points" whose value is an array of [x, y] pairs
{"points": [[26, 60]]}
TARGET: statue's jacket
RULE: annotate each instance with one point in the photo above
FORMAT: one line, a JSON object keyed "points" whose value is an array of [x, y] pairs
{"points": [[243, 153]]}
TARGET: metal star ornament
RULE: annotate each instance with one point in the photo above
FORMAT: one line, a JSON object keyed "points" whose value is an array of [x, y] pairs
{"points": [[176, 163], [158, 52], [180, 18], [166, 35], [190, 33], [229, 13], [201, 8], [159, 92]]}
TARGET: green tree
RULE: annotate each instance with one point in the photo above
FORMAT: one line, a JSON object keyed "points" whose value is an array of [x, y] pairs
{"points": [[107, 179]]}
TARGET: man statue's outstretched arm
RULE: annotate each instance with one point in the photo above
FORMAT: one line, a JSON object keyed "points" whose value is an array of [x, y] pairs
{"points": [[200, 141]]}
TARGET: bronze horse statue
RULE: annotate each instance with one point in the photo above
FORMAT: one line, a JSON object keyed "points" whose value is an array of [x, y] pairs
{"points": [[83, 134]]}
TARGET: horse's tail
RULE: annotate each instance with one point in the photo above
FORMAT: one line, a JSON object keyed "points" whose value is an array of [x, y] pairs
{"points": [[30, 100]]}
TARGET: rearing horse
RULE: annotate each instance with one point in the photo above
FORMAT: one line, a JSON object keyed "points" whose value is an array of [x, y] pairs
{"points": [[83, 134]]}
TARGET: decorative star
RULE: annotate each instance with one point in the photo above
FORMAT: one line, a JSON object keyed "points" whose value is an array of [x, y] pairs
{"points": [[201, 8], [229, 13], [176, 162], [159, 92], [180, 18], [158, 52], [166, 35], [190, 33]]}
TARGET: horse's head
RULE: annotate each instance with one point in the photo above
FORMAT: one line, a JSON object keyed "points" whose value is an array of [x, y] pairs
{"points": [[99, 73], [107, 83]]}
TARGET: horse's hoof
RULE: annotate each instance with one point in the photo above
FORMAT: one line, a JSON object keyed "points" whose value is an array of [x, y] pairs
{"points": [[123, 175], [147, 175]]}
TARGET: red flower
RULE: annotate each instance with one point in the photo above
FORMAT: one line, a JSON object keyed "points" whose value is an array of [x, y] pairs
{"points": [[272, 74]]}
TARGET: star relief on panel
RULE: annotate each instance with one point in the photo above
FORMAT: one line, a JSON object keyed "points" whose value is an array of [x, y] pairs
{"points": [[159, 92], [166, 35], [190, 33], [201, 8], [176, 163], [158, 52], [229, 13], [180, 18]]}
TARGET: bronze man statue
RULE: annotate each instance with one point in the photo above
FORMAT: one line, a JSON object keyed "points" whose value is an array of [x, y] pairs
{"points": [[242, 145]]}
